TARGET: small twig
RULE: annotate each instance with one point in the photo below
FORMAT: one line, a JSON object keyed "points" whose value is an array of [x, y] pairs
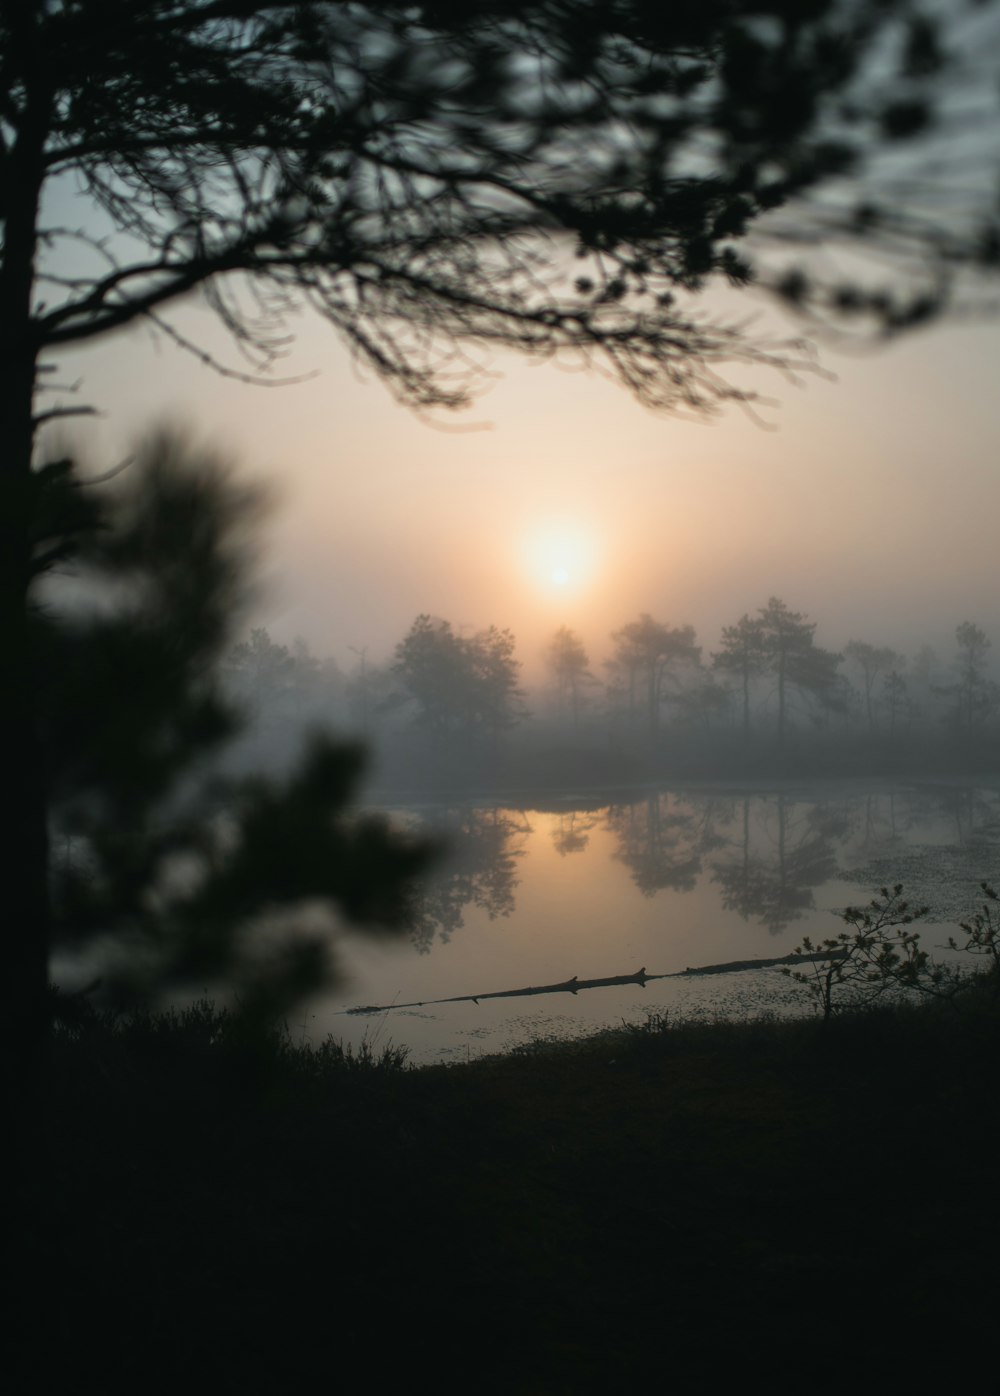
{"points": [[108, 474], [55, 412]]}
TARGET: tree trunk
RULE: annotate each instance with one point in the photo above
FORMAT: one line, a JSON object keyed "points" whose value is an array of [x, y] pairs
{"points": [[24, 859], [652, 695], [781, 699]]}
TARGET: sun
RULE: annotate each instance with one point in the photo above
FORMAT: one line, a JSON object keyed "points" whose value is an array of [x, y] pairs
{"points": [[560, 556]]}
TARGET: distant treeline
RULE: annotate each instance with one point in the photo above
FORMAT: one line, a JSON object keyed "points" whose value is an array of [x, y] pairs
{"points": [[767, 691]]}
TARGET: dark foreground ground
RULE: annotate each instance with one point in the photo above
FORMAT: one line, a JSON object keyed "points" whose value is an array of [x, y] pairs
{"points": [[791, 1207]]}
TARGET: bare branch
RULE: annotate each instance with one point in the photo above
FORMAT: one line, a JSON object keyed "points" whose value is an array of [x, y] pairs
{"points": [[54, 413], [210, 361], [548, 177]]}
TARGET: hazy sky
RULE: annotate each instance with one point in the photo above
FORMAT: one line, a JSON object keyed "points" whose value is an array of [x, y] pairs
{"points": [[873, 505]]}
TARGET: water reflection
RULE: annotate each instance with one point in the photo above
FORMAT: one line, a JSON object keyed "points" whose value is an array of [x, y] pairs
{"points": [[974, 814], [572, 830], [766, 854], [480, 870], [663, 839], [774, 863], [666, 881], [940, 842]]}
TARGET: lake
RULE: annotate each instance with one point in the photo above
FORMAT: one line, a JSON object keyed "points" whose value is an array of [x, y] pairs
{"points": [[536, 894]]}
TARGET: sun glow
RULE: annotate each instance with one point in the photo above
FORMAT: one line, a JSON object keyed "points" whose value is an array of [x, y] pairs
{"points": [[561, 557]]}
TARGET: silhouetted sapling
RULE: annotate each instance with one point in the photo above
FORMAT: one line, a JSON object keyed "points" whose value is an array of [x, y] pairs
{"points": [[880, 954]]}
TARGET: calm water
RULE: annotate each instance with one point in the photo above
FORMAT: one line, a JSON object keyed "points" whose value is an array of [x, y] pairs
{"points": [[667, 881]]}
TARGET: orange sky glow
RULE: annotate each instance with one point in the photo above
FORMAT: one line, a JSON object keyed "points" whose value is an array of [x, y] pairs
{"points": [[870, 502]]}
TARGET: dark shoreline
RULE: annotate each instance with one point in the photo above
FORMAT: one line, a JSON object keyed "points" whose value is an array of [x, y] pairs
{"points": [[567, 1218]]}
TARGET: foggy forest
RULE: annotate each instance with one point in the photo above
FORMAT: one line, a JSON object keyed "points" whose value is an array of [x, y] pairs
{"points": [[451, 709]]}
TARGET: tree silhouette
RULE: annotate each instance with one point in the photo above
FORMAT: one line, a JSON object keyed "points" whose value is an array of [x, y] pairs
{"points": [[794, 659], [647, 654], [743, 654], [570, 668], [894, 699], [262, 672], [497, 703], [176, 864], [430, 663], [873, 660], [548, 174], [975, 695], [168, 871], [463, 687]]}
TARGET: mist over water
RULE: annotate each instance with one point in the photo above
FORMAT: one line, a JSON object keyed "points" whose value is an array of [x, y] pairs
{"points": [[681, 803], [665, 881]]}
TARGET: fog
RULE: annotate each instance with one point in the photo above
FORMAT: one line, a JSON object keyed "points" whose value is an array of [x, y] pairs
{"points": [[868, 498]]}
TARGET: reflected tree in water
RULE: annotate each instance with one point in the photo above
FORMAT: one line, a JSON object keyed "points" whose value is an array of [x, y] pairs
{"points": [[662, 840], [879, 821], [771, 881], [961, 824], [479, 871], [744, 879], [973, 812], [572, 832]]}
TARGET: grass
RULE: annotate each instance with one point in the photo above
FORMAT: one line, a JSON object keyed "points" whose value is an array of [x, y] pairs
{"points": [[597, 1215]]}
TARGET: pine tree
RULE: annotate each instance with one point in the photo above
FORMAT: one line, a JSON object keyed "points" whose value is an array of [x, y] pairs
{"points": [[743, 653], [163, 866], [570, 668], [794, 659]]}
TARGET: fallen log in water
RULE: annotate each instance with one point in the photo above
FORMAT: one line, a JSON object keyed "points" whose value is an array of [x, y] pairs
{"points": [[735, 966], [574, 985]]}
